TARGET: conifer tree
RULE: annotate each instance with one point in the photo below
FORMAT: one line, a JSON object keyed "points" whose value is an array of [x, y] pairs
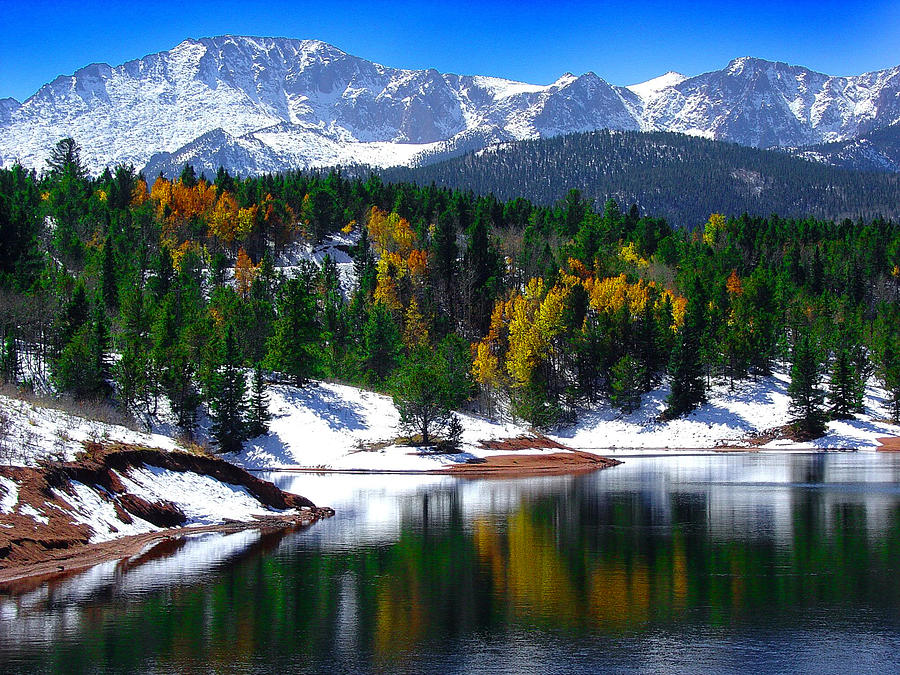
{"points": [[685, 368], [228, 407], [292, 347], [428, 385], [134, 371], [9, 360], [845, 391], [108, 286], [626, 384], [73, 316], [258, 414], [100, 349], [444, 254], [381, 344], [481, 267], [807, 396]]}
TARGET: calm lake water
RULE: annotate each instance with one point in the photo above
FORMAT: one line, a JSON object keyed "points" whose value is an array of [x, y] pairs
{"points": [[727, 563]]}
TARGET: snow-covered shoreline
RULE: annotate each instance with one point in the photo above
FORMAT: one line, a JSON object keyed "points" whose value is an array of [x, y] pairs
{"points": [[330, 426], [327, 426]]}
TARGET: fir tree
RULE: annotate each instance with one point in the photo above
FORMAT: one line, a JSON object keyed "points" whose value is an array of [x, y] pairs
{"points": [[73, 316], [100, 350], [258, 415], [108, 286], [381, 344], [292, 347], [685, 368], [427, 386], [9, 360], [626, 384], [845, 391], [227, 407], [807, 396]]}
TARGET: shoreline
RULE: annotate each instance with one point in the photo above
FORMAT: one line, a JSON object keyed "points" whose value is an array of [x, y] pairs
{"points": [[607, 453], [64, 562]]}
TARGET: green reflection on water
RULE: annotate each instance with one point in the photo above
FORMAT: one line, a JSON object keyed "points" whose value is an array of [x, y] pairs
{"points": [[573, 560]]}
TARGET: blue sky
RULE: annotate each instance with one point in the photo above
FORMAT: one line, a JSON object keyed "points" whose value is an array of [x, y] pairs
{"points": [[623, 42]]}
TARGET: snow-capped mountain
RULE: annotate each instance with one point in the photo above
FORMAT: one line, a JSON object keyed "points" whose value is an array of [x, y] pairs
{"points": [[769, 104], [269, 104]]}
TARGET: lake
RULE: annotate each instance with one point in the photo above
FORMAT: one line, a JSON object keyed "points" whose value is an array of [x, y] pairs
{"points": [[714, 563]]}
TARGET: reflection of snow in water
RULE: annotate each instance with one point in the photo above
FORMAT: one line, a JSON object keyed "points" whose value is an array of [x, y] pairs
{"points": [[752, 494], [52, 609]]}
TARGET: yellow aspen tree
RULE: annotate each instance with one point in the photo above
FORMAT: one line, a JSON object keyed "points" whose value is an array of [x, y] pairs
{"points": [[416, 332], [244, 273]]}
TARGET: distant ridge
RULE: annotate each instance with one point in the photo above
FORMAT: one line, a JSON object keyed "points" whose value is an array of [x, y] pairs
{"points": [[678, 177]]}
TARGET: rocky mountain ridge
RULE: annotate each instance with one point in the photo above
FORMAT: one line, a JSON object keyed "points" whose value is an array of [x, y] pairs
{"points": [[269, 104]]}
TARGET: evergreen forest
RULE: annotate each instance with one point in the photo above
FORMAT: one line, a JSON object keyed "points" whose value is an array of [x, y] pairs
{"points": [[189, 295], [678, 177]]}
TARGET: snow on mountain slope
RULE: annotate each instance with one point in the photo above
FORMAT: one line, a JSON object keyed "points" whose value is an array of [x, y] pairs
{"points": [[652, 88], [768, 104], [269, 104]]}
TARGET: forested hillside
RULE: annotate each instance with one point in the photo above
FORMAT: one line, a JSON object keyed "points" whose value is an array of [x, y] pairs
{"points": [[678, 177], [169, 294]]}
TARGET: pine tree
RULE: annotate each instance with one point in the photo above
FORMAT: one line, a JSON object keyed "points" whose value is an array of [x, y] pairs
{"points": [[845, 392], [134, 372], [428, 385], [685, 368], [108, 285], [227, 407], [481, 264], [100, 350], [66, 158], [292, 347], [444, 253], [258, 414], [807, 396], [73, 316], [381, 344], [626, 384]]}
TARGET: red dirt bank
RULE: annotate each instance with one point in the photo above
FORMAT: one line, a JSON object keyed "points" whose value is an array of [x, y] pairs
{"points": [[29, 547]]}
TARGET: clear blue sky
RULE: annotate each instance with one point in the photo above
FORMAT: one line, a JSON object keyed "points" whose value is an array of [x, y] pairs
{"points": [[623, 42]]}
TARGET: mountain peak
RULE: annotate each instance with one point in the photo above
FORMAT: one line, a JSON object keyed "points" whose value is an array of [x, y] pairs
{"points": [[651, 88]]}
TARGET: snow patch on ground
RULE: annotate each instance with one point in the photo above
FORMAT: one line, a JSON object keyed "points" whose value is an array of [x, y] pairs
{"points": [[333, 426], [91, 508], [203, 499], [10, 495], [38, 432], [328, 426], [334, 246], [728, 417], [31, 512]]}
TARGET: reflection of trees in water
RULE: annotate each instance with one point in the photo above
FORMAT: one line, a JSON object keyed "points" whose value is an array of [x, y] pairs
{"points": [[573, 558]]}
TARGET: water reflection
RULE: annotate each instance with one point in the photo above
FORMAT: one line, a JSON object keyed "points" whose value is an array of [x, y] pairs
{"points": [[693, 563]]}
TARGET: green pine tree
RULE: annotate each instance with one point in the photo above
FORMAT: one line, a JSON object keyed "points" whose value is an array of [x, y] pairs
{"points": [[687, 389], [845, 391], [626, 384], [805, 390], [381, 344], [228, 408], [258, 415], [9, 360], [295, 340]]}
